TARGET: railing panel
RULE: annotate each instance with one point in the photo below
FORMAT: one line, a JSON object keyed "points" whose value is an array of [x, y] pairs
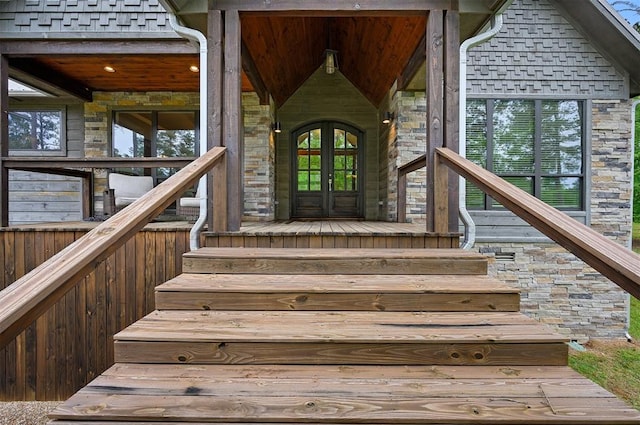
{"points": [[619, 264], [71, 343]]}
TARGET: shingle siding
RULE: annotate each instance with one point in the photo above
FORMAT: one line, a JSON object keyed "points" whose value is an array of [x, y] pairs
{"points": [[75, 18], [539, 53]]}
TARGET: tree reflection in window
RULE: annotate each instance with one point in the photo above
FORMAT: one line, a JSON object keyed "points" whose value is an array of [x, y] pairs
{"points": [[535, 144]]}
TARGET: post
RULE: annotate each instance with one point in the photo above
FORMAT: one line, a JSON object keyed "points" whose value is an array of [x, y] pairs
{"points": [[216, 183], [232, 116], [4, 140], [452, 105], [435, 107]]}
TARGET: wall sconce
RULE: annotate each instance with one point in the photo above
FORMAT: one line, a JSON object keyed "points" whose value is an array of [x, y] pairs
{"points": [[388, 117], [330, 61], [276, 127]]}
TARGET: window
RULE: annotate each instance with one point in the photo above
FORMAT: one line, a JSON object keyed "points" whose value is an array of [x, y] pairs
{"points": [[536, 145], [155, 134], [39, 132]]}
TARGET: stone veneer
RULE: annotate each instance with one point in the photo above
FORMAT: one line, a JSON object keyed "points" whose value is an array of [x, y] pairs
{"points": [[259, 148], [259, 160]]}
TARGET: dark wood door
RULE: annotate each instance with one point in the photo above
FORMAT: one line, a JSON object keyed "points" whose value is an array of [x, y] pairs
{"points": [[327, 171]]}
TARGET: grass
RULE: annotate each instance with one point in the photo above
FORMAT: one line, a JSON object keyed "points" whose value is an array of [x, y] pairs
{"points": [[615, 365]]}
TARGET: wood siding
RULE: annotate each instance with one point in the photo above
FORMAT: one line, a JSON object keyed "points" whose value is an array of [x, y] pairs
{"points": [[39, 197], [72, 343]]}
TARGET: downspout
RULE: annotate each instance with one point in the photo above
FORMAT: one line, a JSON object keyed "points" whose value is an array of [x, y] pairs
{"points": [[198, 37], [496, 26], [634, 119]]}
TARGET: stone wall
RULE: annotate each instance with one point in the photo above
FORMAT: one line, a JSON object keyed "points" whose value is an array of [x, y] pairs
{"points": [[259, 160]]}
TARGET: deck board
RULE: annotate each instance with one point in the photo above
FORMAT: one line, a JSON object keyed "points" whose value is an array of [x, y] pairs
{"points": [[356, 395]]}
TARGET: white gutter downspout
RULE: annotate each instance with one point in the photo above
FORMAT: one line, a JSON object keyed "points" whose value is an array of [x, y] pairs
{"points": [[198, 37], [634, 118], [496, 25]]}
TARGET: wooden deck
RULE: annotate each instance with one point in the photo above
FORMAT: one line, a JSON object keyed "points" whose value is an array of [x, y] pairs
{"points": [[332, 234]]}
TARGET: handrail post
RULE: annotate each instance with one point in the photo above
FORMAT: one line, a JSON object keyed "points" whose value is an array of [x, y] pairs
{"points": [[219, 196], [441, 195], [402, 198]]}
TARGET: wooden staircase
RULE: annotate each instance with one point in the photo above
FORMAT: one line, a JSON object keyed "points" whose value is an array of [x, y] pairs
{"points": [[336, 336]]}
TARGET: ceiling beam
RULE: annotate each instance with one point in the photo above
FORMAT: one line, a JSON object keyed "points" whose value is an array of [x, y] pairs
{"points": [[251, 70], [333, 7], [26, 48], [53, 78], [413, 66]]}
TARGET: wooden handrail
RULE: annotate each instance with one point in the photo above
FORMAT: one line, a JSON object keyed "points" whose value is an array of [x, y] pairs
{"points": [[619, 264], [403, 170], [27, 298]]}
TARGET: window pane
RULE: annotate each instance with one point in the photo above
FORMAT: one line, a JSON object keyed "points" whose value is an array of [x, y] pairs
{"points": [[132, 134], [303, 162], [475, 197], [352, 141], [339, 139], [176, 136], [562, 192], [316, 139], [35, 130], [477, 132], [524, 183], [561, 137], [513, 136]]}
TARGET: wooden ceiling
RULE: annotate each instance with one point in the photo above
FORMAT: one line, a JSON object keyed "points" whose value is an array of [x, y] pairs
{"points": [[284, 51], [372, 51]]}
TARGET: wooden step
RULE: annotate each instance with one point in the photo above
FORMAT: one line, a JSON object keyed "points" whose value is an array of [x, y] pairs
{"points": [[336, 292], [129, 393], [334, 261], [298, 337]]}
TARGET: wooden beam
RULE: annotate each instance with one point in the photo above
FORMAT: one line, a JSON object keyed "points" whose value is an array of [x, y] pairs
{"points": [[54, 78], [217, 207], [31, 295], [435, 109], [232, 118], [33, 163], [332, 7], [4, 141], [452, 104], [413, 66], [251, 70], [29, 48]]}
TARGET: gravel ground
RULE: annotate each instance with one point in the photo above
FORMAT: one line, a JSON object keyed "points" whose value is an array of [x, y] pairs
{"points": [[25, 412]]}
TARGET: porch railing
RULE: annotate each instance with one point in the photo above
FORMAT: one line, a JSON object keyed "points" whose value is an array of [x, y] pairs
{"points": [[403, 170], [26, 299], [619, 264]]}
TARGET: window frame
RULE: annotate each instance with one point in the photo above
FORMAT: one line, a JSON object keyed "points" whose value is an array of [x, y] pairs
{"points": [[537, 175], [154, 135], [62, 152]]}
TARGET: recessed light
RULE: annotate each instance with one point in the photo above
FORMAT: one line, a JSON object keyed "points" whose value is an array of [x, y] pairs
{"points": [[194, 68], [109, 68]]}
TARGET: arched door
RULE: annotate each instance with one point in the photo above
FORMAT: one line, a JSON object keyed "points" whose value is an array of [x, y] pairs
{"points": [[327, 171]]}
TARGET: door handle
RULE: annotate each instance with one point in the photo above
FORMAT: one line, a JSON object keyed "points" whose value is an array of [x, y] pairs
{"points": [[330, 184]]}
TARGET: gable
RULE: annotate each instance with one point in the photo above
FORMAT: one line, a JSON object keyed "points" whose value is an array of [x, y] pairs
{"points": [[83, 18], [539, 53]]}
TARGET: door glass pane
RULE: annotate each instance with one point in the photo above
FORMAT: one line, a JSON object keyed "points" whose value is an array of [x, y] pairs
{"points": [[352, 141], [339, 138], [303, 180], [315, 182], [132, 133], [309, 160]]}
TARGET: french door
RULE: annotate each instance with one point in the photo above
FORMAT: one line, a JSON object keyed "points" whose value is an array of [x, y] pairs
{"points": [[327, 171]]}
